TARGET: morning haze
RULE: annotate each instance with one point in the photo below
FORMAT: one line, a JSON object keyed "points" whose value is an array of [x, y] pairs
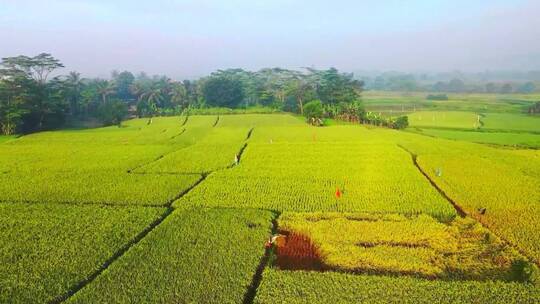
{"points": [[189, 39]]}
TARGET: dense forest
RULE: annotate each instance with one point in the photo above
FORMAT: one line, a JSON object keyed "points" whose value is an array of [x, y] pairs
{"points": [[32, 100]]}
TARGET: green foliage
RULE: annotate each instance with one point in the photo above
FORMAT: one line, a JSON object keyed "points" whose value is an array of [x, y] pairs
{"points": [[313, 110], [112, 112], [534, 109], [195, 255], [47, 249], [223, 92], [401, 122], [437, 97]]}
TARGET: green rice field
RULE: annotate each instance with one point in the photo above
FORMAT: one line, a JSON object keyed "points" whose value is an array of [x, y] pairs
{"points": [[181, 210]]}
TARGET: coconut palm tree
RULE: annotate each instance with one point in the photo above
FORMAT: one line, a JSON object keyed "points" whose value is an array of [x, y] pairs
{"points": [[74, 86], [105, 88], [178, 94]]}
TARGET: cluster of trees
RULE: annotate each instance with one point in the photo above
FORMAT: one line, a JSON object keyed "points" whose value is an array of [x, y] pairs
{"points": [[535, 108], [288, 90], [31, 101], [412, 83], [352, 112], [437, 97], [458, 86]]}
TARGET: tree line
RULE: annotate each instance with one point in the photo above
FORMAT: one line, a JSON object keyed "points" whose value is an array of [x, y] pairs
{"points": [[31, 100], [410, 83]]}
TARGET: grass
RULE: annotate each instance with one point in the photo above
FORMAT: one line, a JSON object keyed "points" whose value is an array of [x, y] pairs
{"points": [[513, 122], [47, 249], [405, 102], [5, 138], [461, 120]]}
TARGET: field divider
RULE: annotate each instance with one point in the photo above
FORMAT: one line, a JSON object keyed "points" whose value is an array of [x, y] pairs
{"points": [[250, 294], [463, 213], [71, 203], [414, 157], [118, 254], [81, 284], [256, 280], [175, 136], [185, 121], [216, 122]]}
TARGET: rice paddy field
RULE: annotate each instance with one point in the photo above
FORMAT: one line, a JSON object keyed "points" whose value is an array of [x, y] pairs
{"points": [[264, 208], [497, 119]]}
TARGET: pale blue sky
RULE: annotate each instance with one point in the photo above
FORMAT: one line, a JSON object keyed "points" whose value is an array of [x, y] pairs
{"points": [[192, 38]]}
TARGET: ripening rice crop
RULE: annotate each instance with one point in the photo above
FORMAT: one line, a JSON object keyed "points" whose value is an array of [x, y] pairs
{"points": [[306, 176], [99, 165], [500, 188], [47, 249], [332, 287], [215, 151], [194, 256], [393, 243], [258, 120], [98, 187]]}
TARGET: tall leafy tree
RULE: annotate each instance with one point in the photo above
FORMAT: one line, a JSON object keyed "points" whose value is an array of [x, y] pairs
{"points": [[37, 96], [223, 91], [123, 81], [302, 90]]}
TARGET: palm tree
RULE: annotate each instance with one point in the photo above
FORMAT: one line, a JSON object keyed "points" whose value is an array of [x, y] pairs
{"points": [[150, 99], [178, 94], [74, 87], [137, 89], [105, 88]]}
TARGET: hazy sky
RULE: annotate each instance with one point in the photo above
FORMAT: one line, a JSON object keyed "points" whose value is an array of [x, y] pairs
{"points": [[185, 39]]}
